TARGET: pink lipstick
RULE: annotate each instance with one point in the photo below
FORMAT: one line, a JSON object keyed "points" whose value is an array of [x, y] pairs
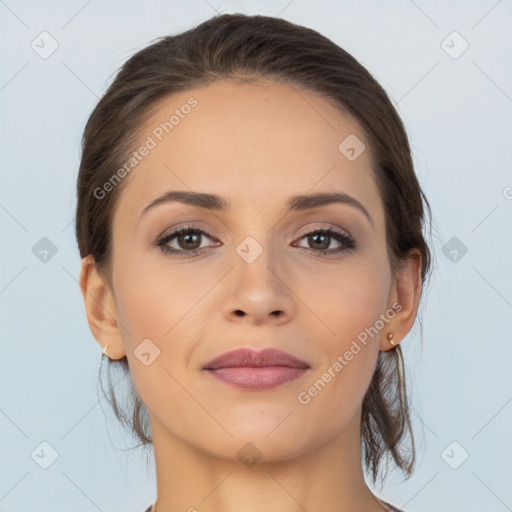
{"points": [[256, 370]]}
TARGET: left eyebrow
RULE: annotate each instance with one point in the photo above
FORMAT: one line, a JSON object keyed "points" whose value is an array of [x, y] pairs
{"points": [[294, 203]]}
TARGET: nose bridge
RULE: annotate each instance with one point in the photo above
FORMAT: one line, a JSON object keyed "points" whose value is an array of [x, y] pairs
{"points": [[257, 257], [256, 231], [259, 288], [259, 243]]}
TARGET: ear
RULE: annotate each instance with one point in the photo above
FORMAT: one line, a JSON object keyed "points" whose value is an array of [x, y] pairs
{"points": [[100, 309], [405, 295]]}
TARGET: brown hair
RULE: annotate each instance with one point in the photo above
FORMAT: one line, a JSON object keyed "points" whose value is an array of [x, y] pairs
{"points": [[237, 46]]}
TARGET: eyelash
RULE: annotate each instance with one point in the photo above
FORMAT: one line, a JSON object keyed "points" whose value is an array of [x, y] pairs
{"points": [[346, 240]]}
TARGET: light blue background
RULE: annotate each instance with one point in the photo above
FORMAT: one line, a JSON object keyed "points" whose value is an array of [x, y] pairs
{"points": [[458, 113]]}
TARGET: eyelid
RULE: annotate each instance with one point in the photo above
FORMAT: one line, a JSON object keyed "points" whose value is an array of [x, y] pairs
{"points": [[163, 239], [325, 226], [332, 231], [190, 226]]}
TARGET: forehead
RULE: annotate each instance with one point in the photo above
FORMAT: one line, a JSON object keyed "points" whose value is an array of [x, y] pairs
{"points": [[256, 144]]}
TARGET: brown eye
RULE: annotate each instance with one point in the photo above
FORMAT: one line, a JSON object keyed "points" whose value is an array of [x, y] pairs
{"points": [[188, 240], [321, 239]]}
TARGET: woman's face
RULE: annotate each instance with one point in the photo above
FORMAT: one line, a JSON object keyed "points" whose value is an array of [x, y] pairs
{"points": [[259, 278]]}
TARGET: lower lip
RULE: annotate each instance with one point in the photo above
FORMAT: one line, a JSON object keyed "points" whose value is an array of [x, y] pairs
{"points": [[264, 377]]}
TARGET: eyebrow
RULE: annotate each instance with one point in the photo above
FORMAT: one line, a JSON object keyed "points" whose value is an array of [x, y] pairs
{"points": [[295, 203]]}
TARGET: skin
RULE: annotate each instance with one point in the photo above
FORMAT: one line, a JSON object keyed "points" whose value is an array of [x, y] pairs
{"points": [[256, 145]]}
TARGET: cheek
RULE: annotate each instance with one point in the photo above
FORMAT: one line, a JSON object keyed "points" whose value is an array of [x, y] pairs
{"points": [[153, 305], [350, 298], [164, 306], [354, 310], [151, 300]]}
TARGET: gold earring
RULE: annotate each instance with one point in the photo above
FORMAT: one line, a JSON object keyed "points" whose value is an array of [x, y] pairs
{"points": [[390, 338], [105, 350]]}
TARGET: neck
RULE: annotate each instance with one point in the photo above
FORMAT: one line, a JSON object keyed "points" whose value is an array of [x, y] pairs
{"points": [[325, 477]]}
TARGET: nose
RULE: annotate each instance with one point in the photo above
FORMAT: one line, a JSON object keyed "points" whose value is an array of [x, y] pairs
{"points": [[259, 290]]}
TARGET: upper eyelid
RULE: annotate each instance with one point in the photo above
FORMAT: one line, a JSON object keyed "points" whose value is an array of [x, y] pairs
{"points": [[191, 227], [175, 232]]}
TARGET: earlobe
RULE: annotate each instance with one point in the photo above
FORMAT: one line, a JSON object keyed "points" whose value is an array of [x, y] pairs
{"points": [[100, 308], [406, 294]]}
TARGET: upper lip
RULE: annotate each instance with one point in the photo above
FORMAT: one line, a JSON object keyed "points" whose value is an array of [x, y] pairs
{"points": [[255, 359]]}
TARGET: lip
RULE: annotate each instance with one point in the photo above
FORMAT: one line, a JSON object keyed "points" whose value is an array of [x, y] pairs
{"points": [[256, 370], [255, 359]]}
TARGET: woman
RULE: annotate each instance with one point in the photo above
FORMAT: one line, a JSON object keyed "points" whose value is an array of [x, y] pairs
{"points": [[265, 357]]}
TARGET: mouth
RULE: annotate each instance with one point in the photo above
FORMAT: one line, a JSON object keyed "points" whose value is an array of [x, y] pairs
{"points": [[249, 369]]}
